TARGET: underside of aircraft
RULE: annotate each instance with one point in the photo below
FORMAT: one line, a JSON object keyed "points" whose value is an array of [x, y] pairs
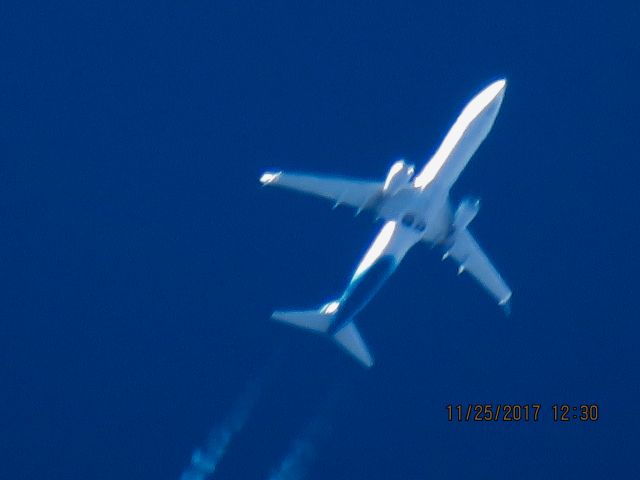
{"points": [[415, 209]]}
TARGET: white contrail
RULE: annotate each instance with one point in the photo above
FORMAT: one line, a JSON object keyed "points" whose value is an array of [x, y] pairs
{"points": [[304, 449], [205, 460], [295, 464]]}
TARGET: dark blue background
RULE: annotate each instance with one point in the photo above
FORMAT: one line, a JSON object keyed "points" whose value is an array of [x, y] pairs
{"points": [[140, 260]]}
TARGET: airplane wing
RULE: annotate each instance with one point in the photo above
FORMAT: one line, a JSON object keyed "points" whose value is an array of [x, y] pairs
{"points": [[464, 137], [356, 193], [472, 259]]}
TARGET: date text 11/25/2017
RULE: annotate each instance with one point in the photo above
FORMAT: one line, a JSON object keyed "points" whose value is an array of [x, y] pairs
{"points": [[533, 412]]}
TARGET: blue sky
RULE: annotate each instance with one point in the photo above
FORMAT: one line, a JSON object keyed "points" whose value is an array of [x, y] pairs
{"points": [[141, 260]]}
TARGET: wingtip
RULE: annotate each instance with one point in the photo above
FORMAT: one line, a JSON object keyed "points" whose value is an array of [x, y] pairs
{"points": [[269, 177], [498, 85], [496, 89], [506, 305]]}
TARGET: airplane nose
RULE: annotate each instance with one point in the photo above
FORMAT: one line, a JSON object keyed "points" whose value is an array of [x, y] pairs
{"points": [[496, 89]]}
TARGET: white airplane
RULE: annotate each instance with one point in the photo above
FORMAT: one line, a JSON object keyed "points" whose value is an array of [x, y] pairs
{"points": [[415, 209]]}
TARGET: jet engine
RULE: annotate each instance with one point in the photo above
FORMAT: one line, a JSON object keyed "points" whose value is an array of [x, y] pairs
{"points": [[399, 175], [467, 211]]}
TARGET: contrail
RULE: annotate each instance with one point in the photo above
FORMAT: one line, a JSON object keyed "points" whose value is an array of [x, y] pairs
{"points": [[204, 460], [295, 464], [303, 450]]}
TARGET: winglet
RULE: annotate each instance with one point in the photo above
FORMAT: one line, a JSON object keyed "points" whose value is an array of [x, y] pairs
{"points": [[269, 177], [505, 303]]}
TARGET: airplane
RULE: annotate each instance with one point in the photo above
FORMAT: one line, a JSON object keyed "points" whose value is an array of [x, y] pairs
{"points": [[415, 209]]}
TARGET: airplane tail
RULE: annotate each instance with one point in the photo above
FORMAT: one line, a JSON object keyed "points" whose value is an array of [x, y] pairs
{"points": [[320, 321], [315, 320], [349, 338]]}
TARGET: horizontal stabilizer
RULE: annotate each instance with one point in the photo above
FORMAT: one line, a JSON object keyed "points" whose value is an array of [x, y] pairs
{"points": [[310, 319], [349, 338]]}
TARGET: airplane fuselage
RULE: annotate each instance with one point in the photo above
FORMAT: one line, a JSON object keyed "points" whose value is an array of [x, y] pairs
{"points": [[361, 290], [415, 208], [422, 215], [427, 211]]}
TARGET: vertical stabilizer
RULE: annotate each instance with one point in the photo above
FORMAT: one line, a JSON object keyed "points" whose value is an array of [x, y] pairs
{"points": [[349, 338]]}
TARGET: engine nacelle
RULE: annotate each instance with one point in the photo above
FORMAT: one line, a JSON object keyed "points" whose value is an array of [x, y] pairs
{"points": [[467, 211], [399, 175]]}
